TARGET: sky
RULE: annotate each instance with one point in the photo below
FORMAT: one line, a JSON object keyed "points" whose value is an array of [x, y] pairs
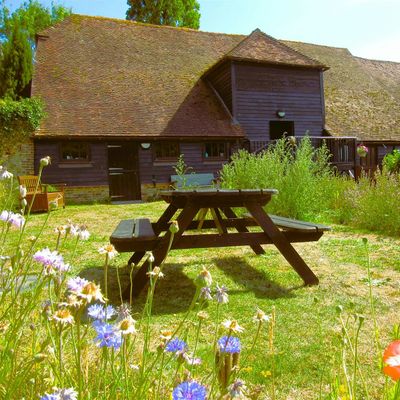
{"points": [[368, 28]]}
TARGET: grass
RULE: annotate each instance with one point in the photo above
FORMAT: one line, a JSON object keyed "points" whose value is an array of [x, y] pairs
{"points": [[307, 334]]}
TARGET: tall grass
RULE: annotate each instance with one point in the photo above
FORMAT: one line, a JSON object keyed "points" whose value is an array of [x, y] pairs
{"points": [[375, 203], [303, 176]]}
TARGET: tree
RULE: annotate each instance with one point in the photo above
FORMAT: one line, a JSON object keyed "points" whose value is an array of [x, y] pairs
{"points": [[17, 35], [183, 13]]}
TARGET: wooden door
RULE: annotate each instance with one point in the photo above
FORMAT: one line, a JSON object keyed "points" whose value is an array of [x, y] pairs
{"points": [[369, 163], [123, 171]]}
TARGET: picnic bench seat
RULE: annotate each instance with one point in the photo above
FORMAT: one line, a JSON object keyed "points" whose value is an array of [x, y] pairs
{"points": [[206, 180], [134, 235], [289, 224]]}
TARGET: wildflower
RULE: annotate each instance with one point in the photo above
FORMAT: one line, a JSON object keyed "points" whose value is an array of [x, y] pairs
{"points": [[99, 312], [22, 191], [176, 346], [123, 311], [4, 174], [151, 257], [204, 278], [190, 359], [109, 250], [24, 203], [391, 360], [127, 326], [61, 394], [232, 326], [90, 292], [63, 316], [107, 336], [205, 293], [45, 161], [221, 294], [16, 220], [202, 315], [51, 260], [76, 284], [73, 301], [261, 317], [60, 230], [166, 334], [237, 389], [229, 344], [189, 390], [156, 273], [83, 233]]}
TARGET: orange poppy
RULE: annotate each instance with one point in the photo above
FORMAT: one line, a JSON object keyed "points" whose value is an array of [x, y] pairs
{"points": [[391, 360]]}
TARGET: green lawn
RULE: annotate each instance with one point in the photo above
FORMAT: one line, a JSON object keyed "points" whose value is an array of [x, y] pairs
{"points": [[307, 335]]}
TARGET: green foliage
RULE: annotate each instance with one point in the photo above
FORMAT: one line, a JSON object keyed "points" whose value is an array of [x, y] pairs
{"points": [[375, 204], [17, 35], [18, 119], [301, 174], [391, 162], [182, 13]]}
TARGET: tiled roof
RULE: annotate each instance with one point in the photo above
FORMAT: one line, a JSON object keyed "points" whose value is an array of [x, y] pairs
{"points": [[260, 47], [106, 77], [362, 97]]}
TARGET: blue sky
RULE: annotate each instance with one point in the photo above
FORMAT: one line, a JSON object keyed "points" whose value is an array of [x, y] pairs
{"points": [[368, 28]]}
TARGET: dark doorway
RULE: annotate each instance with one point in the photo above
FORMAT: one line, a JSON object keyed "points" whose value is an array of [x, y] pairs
{"points": [[279, 129], [123, 171]]}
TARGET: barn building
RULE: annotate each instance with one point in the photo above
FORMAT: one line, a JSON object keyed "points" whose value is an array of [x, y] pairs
{"points": [[124, 99]]}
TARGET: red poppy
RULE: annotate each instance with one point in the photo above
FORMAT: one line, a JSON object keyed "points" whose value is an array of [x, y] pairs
{"points": [[391, 360]]}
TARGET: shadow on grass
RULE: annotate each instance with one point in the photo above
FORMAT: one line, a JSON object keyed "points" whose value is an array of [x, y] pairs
{"points": [[253, 279], [173, 293]]}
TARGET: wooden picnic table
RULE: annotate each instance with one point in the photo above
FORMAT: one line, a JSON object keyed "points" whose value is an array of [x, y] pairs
{"points": [[184, 206]]}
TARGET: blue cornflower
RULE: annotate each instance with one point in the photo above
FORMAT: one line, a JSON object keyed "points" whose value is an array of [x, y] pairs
{"points": [[176, 345], [189, 391], [107, 336], [61, 394], [101, 313], [229, 344]]}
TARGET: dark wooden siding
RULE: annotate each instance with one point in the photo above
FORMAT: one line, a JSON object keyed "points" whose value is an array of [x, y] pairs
{"points": [[259, 91], [222, 81], [161, 171], [93, 173]]}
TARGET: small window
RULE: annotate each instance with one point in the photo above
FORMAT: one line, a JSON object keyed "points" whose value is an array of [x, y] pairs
{"points": [[166, 151], [280, 129], [215, 151], [75, 151]]}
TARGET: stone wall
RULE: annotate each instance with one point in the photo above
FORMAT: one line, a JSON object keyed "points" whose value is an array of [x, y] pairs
{"points": [[21, 162], [86, 194]]}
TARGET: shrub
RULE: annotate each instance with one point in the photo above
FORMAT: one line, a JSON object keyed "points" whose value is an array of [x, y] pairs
{"points": [[306, 182], [391, 162], [376, 204]]}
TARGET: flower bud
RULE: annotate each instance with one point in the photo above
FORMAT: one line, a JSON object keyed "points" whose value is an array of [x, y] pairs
{"points": [[174, 228], [203, 279], [22, 191], [45, 161]]}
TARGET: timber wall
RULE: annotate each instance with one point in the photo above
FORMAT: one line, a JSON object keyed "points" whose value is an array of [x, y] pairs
{"points": [[259, 91]]}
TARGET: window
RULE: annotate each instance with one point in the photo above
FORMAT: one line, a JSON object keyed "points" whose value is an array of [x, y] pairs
{"points": [[166, 151], [215, 151], [280, 129], [75, 151]]}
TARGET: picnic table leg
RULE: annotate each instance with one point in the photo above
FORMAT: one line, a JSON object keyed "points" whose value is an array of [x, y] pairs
{"points": [[282, 244], [136, 257], [241, 227], [160, 252], [164, 219]]}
